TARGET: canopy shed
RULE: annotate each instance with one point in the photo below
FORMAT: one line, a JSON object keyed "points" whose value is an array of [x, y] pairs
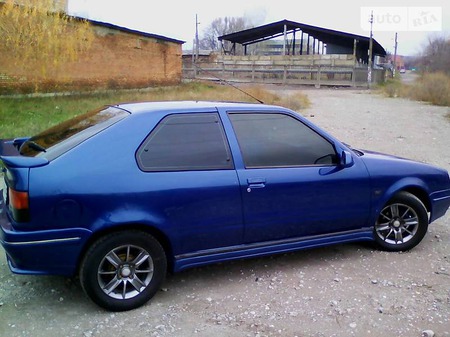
{"points": [[312, 40]]}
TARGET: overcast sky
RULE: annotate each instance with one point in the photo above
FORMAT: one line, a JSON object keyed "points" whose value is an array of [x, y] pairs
{"points": [[414, 21]]}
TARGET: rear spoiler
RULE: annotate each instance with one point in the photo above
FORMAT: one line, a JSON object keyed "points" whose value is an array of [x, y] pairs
{"points": [[10, 147], [10, 156], [23, 162]]}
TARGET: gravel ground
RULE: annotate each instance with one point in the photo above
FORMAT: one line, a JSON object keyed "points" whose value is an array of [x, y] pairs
{"points": [[343, 290]]}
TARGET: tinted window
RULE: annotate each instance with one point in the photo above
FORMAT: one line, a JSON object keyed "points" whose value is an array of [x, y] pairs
{"points": [[66, 135], [274, 140], [186, 142]]}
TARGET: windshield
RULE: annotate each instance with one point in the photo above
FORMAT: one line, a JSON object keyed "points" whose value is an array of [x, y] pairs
{"points": [[60, 138]]}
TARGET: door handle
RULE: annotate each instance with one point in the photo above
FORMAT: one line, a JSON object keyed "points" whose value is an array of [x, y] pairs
{"points": [[255, 183]]}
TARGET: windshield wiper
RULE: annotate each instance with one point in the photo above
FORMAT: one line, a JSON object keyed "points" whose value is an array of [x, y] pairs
{"points": [[35, 146]]}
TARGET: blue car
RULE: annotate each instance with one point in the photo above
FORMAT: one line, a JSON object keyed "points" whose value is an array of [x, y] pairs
{"points": [[121, 195]]}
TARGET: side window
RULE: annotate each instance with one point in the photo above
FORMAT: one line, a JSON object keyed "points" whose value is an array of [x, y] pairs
{"points": [[278, 140], [186, 142]]}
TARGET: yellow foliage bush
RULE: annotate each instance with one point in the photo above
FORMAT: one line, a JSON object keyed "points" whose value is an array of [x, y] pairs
{"points": [[34, 34]]}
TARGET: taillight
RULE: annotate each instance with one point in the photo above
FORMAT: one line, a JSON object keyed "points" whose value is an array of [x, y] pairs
{"points": [[18, 204]]}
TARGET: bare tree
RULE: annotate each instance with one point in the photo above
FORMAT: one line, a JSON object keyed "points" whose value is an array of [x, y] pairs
{"points": [[436, 55], [219, 27]]}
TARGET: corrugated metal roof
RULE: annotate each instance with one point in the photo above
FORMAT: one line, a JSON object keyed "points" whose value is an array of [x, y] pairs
{"points": [[275, 29]]}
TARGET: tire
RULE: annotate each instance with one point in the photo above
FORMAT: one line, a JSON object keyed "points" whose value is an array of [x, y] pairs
{"points": [[123, 270], [401, 224]]}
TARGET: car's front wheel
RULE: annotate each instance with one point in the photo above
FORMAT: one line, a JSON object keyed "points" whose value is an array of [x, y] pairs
{"points": [[123, 270], [402, 223]]}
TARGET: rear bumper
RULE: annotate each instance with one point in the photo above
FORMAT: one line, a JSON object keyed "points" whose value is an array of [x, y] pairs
{"points": [[47, 252]]}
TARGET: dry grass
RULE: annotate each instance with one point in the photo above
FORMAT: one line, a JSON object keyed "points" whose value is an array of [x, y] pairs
{"points": [[431, 87], [25, 115], [392, 88]]}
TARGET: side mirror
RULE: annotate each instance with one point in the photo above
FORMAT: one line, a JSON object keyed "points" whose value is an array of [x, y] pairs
{"points": [[346, 159]]}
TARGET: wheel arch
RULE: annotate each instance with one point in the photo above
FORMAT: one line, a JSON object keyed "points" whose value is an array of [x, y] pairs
{"points": [[421, 194], [155, 232], [415, 186]]}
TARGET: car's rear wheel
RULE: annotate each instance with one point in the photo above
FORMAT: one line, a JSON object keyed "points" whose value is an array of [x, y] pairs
{"points": [[402, 223], [123, 270]]}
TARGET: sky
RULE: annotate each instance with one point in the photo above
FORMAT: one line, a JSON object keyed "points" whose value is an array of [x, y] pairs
{"points": [[414, 20]]}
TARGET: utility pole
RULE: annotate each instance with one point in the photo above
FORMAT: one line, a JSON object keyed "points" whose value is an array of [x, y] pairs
{"points": [[369, 69], [193, 59], [395, 56], [196, 38]]}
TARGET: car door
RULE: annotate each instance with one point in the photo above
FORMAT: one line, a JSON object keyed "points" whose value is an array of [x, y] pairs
{"points": [[291, 183], [190, 182]]}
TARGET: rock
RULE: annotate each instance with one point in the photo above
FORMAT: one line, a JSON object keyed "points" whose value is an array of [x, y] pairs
{"points": [[352, 325], [427, 333]]}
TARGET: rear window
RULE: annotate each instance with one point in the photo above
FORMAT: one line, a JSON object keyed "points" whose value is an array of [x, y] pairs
{"points": [[60, 138]]}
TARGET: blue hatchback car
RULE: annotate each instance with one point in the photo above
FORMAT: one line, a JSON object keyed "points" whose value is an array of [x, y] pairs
{"points": [[121, 195]]}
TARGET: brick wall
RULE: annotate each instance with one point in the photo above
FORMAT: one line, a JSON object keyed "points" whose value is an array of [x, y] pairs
{"points": [[116, 59], [127, 59]]}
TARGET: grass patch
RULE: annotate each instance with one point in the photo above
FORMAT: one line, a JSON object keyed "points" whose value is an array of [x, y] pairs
{"points": [[26, 116], [431, 87]]}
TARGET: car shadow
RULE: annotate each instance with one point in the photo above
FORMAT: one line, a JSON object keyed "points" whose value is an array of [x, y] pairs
{"points": [[216, 275], [25, 292]]}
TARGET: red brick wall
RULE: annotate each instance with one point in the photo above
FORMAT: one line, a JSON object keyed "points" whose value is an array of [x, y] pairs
{"points": [[116, 59]]}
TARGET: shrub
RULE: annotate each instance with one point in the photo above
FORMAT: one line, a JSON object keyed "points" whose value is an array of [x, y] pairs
{"points": [[392, 87], [430, 87], [433, 88]]}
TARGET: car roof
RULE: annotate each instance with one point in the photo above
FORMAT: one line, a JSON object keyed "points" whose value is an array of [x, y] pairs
{"points": [[144, 107]]}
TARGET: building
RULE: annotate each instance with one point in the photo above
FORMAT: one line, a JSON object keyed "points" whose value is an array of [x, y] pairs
{"points": [[118, 57], [305, 40]]}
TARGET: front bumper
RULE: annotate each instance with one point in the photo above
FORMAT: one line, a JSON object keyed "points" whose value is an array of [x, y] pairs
{"points": [[440, 201], [48, 252]]}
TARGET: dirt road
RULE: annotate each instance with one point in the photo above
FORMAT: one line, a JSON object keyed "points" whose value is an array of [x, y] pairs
{"points": [[345, 290]]}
